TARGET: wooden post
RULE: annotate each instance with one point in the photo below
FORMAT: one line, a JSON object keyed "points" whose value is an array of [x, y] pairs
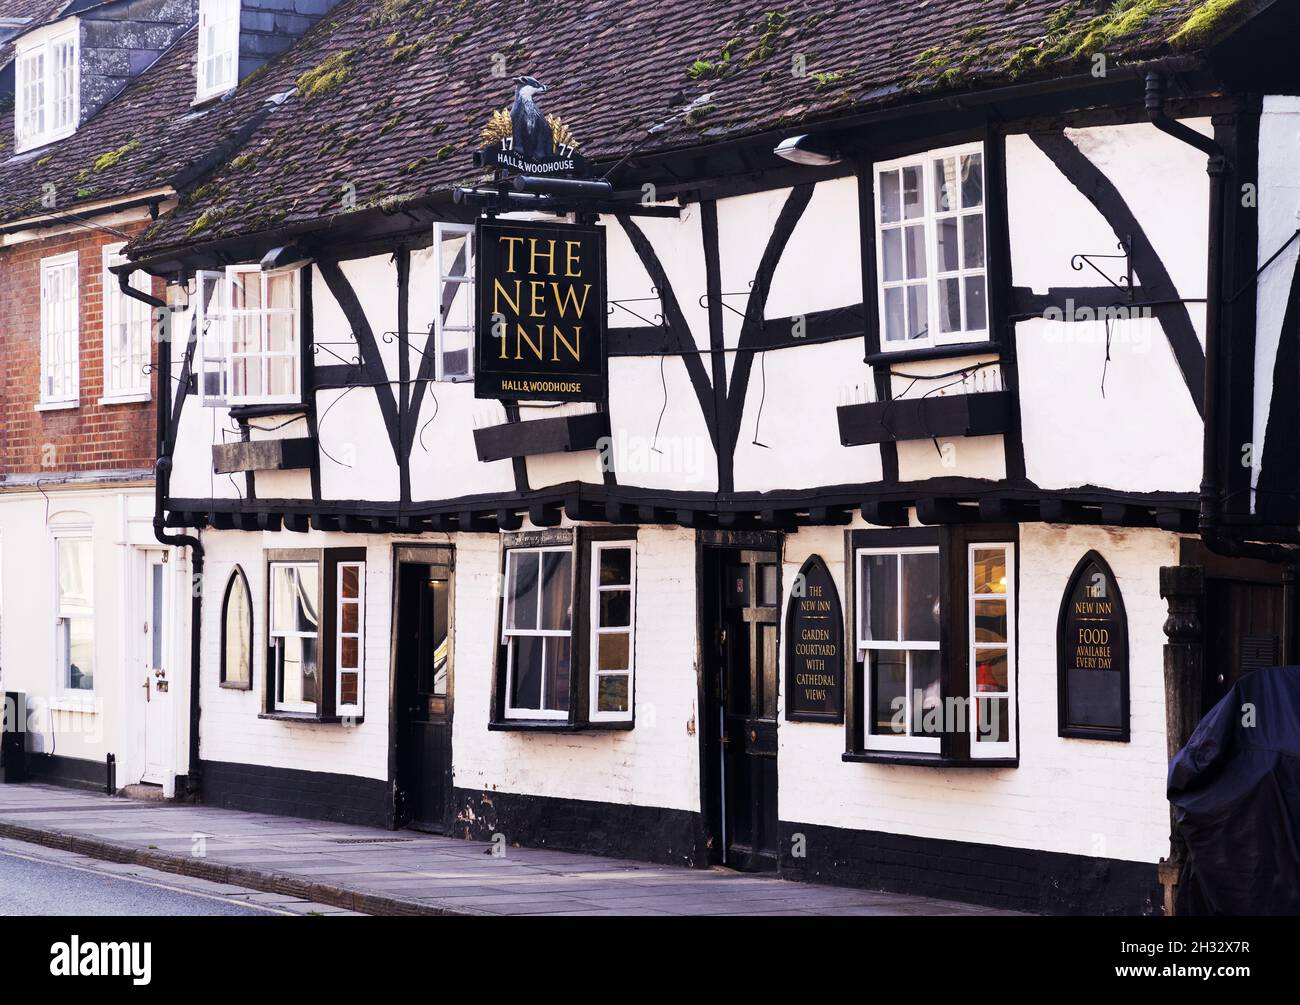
{"points": [[1183, 587]]}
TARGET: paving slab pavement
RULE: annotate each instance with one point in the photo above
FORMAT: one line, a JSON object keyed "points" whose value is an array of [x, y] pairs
{"points": [[334, 868]]}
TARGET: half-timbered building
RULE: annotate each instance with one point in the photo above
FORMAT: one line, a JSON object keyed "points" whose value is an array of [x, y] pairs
{"points": [[947, 348]]}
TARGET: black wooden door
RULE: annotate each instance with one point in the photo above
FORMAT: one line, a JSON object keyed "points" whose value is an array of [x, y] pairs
{"points": [[1243, 632], [742, 605], [423, 700]]}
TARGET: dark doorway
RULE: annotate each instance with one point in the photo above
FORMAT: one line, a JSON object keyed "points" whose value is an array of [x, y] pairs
{"points": [[1243, 632], [741, 604], [422, 695], [1243, 618]]}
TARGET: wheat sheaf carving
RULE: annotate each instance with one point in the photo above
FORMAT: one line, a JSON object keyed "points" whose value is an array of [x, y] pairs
{"points": [[499, 128]]}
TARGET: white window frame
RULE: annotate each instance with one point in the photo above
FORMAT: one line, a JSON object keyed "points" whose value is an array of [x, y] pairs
{"points": [[218, 41], [273, 633], [213, 346], [594, 672], [215, 328], [62, 659], [356, 708], [929, 219], [119, 309], [864, 646], [508, 634], [58, 50], [978, 748], [67, 392], [441, 327]]}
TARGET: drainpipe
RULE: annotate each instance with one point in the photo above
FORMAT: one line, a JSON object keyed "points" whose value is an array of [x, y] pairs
{"points": [[162, 478]]}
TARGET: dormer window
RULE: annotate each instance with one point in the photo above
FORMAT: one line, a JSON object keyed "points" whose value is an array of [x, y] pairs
{"points": [[47, 86], [218, 69]]}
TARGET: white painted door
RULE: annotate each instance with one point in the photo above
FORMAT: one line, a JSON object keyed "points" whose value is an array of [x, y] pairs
{"points": [[155, 685]]}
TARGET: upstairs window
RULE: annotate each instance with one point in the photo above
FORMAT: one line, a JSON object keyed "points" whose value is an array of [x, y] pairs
{"points": [[218, 66], [59, 330], [454, 318], [930, 249], [126, 333], [46, 94], [249, 329]]}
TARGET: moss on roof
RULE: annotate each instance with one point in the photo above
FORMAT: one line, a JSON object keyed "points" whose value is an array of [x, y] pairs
{"points": [[332, 71]]}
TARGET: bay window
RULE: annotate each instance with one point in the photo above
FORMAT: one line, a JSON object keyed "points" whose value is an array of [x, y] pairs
{"points": [[930, 249], [47, 84], [249, 328], [935, 654], [126, 333], [566, 655], [315, 634], [60, 328]]}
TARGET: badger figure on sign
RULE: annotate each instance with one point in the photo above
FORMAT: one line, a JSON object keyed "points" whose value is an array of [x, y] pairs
{"points": [[531, 133]]}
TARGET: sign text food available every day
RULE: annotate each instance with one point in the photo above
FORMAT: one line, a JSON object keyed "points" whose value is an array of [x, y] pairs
{"points": [[1092, 654], [541, 311]]}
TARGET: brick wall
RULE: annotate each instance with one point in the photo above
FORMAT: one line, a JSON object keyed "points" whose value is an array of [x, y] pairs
{"points": [[91, 437]]}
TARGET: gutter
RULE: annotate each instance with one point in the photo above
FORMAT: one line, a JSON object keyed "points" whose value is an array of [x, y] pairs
{"points": [[162, 478], [80, 213], [1217, 537]]}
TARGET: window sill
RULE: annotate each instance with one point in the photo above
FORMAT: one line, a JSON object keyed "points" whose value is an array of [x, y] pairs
{"points": [[556, 726], [125, 399], [928, 760], [312, 719], [257, 411], [231, 686], [985, 348], [56, 406], [204, 101]]}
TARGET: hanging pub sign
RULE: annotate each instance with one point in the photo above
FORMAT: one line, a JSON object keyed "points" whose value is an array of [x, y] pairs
{"points": [[1092, 659], [541, 311], [522, 140], [814, 656]]}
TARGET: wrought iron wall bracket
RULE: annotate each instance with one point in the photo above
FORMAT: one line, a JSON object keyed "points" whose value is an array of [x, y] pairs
{"points": [[1125, 283]]}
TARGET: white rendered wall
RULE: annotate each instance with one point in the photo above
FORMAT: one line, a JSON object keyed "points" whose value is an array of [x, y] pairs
{"points": [[1143, 433], [110, 719], [1081, 797], [655, 764]]}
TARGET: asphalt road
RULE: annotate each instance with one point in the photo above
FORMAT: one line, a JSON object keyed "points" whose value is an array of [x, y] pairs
{"points": [[32, 886]]}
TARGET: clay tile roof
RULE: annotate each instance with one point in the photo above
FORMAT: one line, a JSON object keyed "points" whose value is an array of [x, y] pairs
{"points": [[390, 95], [34, 12]]}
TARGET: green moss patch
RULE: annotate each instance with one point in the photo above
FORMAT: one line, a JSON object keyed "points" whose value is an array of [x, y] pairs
{"points": [[111, 159], [1208, 21], [328, 76]]}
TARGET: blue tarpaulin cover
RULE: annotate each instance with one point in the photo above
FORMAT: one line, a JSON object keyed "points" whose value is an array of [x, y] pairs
{"points": [[1235, 791]]}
